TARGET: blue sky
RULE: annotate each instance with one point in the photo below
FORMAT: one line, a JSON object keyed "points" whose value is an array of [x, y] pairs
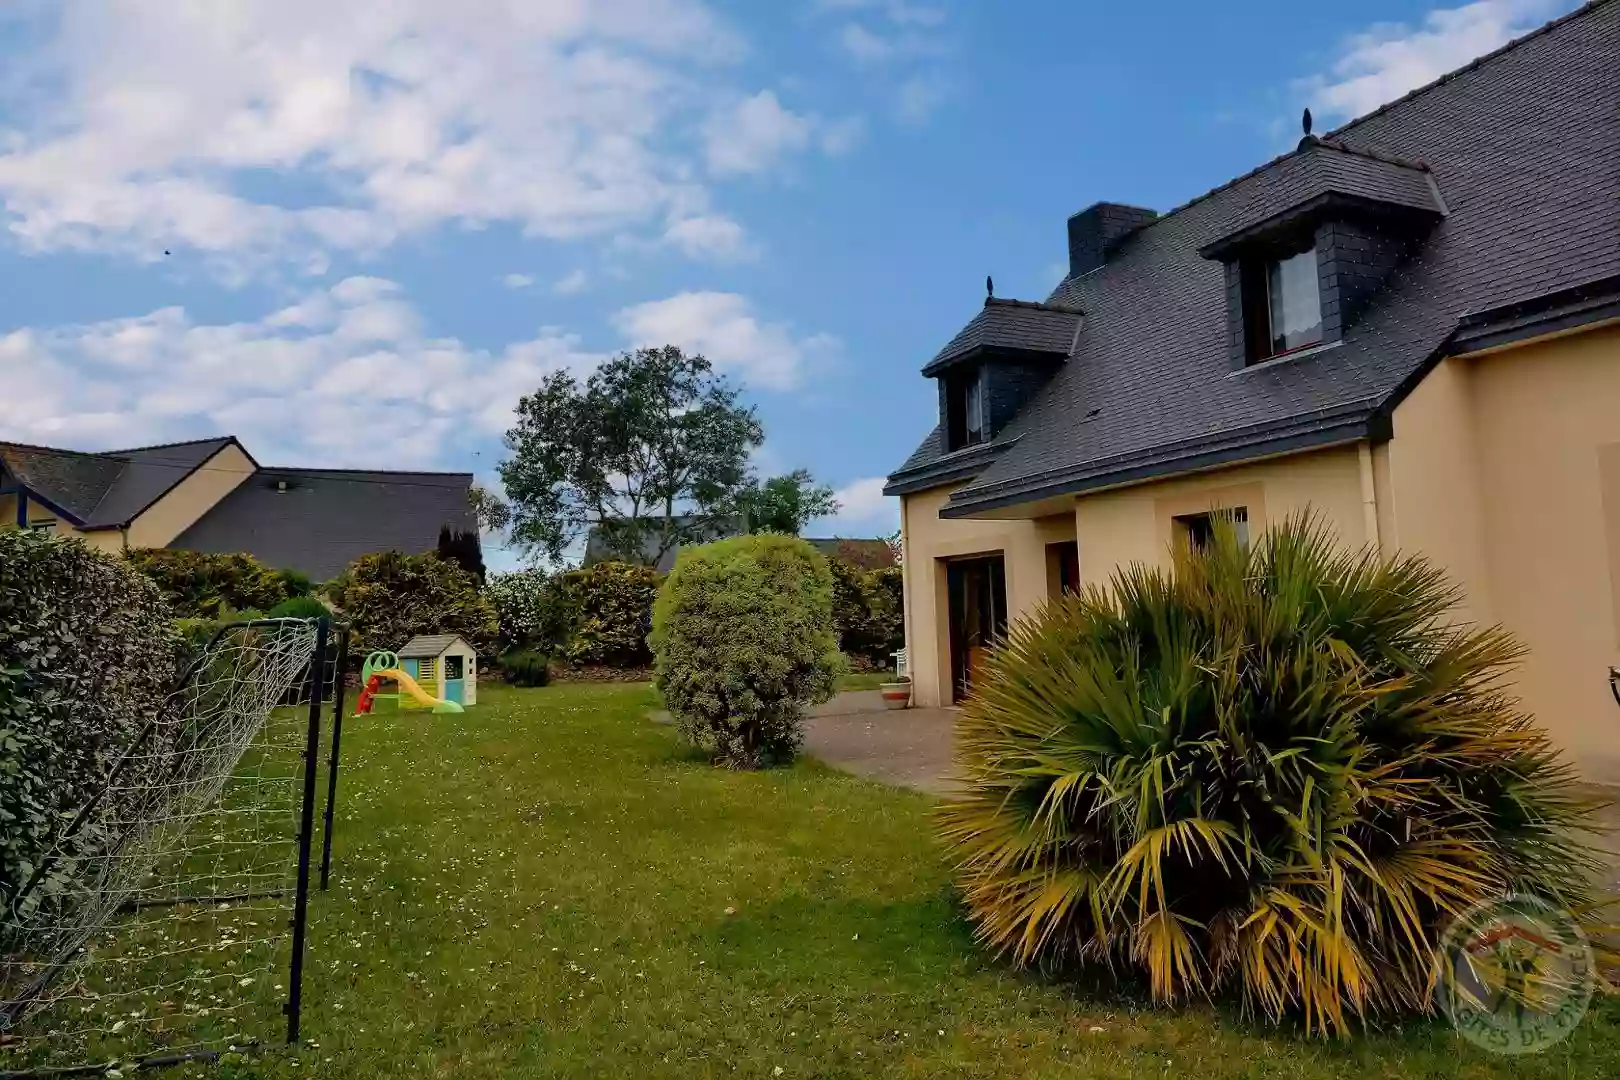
{"points": [[353, 234]]}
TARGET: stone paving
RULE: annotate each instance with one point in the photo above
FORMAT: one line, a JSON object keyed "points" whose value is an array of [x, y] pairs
{"points": [[904, 747]]}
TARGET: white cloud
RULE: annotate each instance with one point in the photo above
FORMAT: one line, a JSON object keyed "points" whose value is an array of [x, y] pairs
{"points": [[863, 510], [571, 283], [724, 328], [919, 96], [711, 236], [517, 281], [139, 127], [752, 135], [865, 46], [1382, 63], [345, 376]]}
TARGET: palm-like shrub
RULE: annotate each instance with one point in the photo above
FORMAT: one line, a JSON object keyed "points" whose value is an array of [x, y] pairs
{"points": [[1273, 771]]}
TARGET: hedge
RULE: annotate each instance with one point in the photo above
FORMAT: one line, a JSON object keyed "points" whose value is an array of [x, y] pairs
{"points": [[88, 654], [213, 585], [388, 598], [869, 611]]}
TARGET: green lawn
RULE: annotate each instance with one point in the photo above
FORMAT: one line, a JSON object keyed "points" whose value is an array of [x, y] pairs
{"points": [[549, 886], [864, 680]]}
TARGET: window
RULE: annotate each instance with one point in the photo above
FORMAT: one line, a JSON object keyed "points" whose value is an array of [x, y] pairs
{"points": [[964, 403], [452, 667], [1199, 529], [1282, 305]]}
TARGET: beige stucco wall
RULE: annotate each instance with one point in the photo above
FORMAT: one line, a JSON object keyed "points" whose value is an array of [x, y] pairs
{"points": [[929, 539], [1136, 524], [1547, 437], [37, 514], [190, 499]]}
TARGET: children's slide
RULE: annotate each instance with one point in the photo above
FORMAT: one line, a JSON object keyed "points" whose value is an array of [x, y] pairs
{"points": [[376, 673]]}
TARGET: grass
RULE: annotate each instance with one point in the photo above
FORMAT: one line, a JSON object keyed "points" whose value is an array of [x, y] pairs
{"points": [[864, 680], [549, 885]]}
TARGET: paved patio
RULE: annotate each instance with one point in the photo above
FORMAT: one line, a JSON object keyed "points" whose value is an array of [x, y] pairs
{"points": [[904, 747]]}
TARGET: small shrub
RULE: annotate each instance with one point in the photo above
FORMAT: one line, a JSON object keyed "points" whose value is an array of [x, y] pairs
{"points": [[611, 607], [299, 607], [1275, 771], [534, 608], [88, 654], [525, 667], [389, 598], [743, 634], [295, 582], [206, 585]]}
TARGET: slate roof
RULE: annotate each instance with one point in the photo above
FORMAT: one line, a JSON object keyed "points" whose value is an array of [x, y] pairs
{"points": [[1524, 148], [110, 489], [429, 645], [867, 552], [597, 550], [327, 518], [1014, 326]]}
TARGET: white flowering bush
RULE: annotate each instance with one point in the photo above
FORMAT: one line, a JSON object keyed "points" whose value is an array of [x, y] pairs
{"points": [[533, 608]]}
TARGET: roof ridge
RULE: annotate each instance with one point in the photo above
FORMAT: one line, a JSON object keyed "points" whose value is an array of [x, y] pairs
{"points": [[1037, 305], [52, 449], [389, 472], [166, 445], [1478, 61], [1375, 155]]}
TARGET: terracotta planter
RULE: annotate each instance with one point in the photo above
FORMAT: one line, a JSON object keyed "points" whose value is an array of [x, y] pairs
{"points": [[897, 695]]}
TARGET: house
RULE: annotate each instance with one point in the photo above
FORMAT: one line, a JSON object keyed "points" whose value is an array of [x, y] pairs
{"points": [[866, 552], [211, 495], [1410, 325]]}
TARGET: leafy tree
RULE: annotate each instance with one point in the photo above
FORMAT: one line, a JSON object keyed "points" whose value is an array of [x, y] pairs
{"points": [[653, 444], [786, 504], [489, 510]]}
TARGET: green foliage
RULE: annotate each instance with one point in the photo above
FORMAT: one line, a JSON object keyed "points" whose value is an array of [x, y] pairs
{"points": [[87, 656], [786, 504], [743, 634], [611, 607], [534, 608], [868, 612], [1276, 771], [653, 444], [462, 547], [295, 582], [206, 585], [299, 607], [388, 598], [525, 667]]}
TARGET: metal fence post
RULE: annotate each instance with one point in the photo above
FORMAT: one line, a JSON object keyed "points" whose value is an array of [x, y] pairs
{"points": [[306, 830], [339, 680]]}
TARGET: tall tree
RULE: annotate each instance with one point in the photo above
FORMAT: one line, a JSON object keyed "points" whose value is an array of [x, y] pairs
{"points": [[491, 513], [653, 444], [786, 504]]}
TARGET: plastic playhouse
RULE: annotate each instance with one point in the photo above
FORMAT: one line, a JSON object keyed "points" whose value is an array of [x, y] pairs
{"points": [[432, 671]]}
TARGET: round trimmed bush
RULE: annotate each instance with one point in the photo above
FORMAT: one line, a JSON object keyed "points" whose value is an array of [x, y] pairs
{"points": [[744, 641], [525, 667], [88, 654], [299, 607], [1276, 771]]}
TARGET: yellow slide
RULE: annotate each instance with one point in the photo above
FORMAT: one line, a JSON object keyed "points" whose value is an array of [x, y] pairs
{"points": [[408, 685]]}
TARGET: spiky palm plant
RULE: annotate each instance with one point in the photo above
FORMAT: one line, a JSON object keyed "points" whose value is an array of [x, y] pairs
{"points": [[1273, 769]]}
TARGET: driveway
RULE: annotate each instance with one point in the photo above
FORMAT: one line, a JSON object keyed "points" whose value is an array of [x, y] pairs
{"points": [[904, 747]]}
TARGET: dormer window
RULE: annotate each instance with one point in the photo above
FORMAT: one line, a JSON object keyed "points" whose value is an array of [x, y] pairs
{"points": [[1293, 302], [964, 403]]}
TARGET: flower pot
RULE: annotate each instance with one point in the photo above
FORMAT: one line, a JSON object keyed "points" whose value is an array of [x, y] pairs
{"points": [[897, 695]]}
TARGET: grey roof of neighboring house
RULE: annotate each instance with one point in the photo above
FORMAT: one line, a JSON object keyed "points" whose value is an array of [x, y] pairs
{"points": [[327, 518], [1011, 325], [107, 490], [429, 645], [1524, 149], [597, 550], [865, 551]]}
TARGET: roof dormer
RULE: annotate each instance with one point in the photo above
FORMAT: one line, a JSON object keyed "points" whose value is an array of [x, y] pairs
{"points": [[996, 363], [1320, 233]]}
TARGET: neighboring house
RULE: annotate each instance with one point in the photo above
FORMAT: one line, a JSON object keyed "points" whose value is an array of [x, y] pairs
{"points": [[1411, 325], [863, 552], [210, 495]]}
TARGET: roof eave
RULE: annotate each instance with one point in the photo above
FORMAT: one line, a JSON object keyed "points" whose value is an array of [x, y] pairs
{"points": [[956, 465], [1365, 425], [1327, 202], [941, 364]]}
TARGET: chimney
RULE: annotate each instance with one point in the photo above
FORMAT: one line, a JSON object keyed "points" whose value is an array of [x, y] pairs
{"points": [[1095, 233]]}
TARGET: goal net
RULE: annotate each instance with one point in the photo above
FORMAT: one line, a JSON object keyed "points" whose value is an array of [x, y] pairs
{"points": [[159, 919]]}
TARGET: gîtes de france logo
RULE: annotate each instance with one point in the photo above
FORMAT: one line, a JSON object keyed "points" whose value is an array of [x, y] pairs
{"points": [[1517, 974]]}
